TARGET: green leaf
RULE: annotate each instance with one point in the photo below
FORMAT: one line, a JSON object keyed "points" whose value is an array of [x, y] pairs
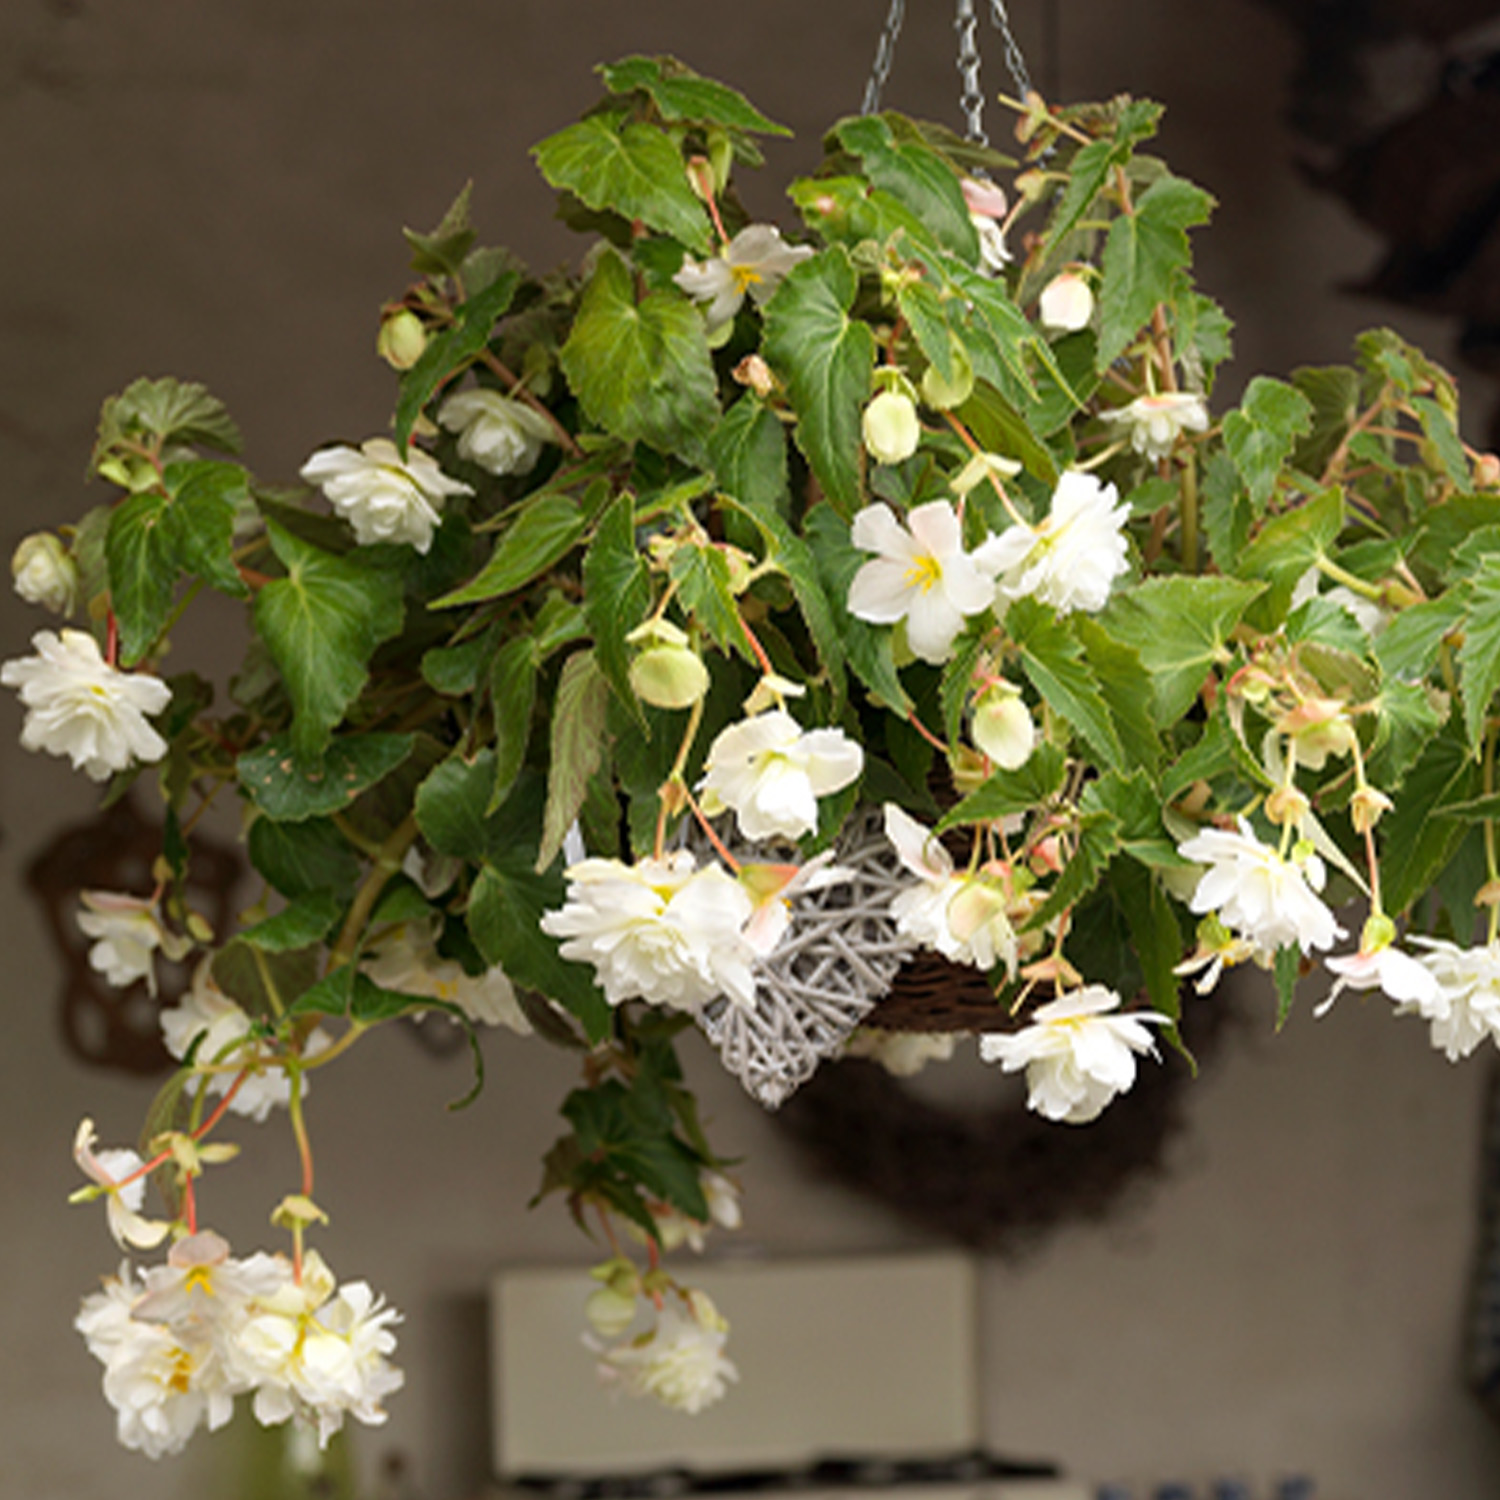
{"points": [[706, 592], [513, 700], [163, 413], [304, 922], [262, 981], [200, 522], [142, 571], [681, 94], [825, 358], [1054, 662], [1098, 843], [748, 453], [1479, 657], [616, 597], [1286, 968], [451, 803], [1261, 434], [847, 211], [1228, 512], [299, 859], [540, 535], [290, 789], [642, 371], [1332, 393], [1179, 626], [448, 352], [631, 169], [1408, 646], [1408, 714], [1447, 526], [916, 176], [579, 715], [1092, 164], [1155, 932], [441, 252], [1142, 256], [1118, 671], [455, 671], [792, 555], [871, 653], [1286, 547], [1416, 841], [1000, 428], [1443, 435], [1009, 792], [1135, 804], [321, 624]]}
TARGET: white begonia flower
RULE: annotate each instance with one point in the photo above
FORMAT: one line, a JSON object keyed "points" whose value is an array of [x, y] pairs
{"points": [[110, 1170], [80, 706], [890, 427], [406, 960], [771, 772], [1077, 1056], [1257, 894], [754, 261], [164, 1386], [921, 575], [1003, 727], [44, 572], [964, 917], [1156, 422], [1466, 1007], [1071, 559], [497, 432], [903, 1054], [681, 1362], [319, 1353], [772, 887], [206, 1011], [660, 930], [1066, 303], [987, 209], [1405, 979], [127, 931], [202, 1285], [384, 497]]}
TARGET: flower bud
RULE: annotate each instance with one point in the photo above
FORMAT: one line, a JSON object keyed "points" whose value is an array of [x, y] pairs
{"points": [[1067, 302], [401, 339], [754, 372], [1487, 471], [1003, 727], [45, 573], [943, 393], [1287, 805], [891, 429], [1366, 807], [668, 676], [609, 1312]]}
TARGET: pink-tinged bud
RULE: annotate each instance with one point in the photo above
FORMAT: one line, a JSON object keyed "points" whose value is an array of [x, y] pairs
{"points": [[1366, 807], [1487, 471], [1046, 856], [754, 372], [1287, 805], [402, 339], [891, 429], [983, 197]]}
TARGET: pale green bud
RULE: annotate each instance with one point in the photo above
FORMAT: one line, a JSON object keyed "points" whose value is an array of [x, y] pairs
{"points": [[890, 426], [609, 1312], [668, 676], [944, 394], [401, 339], [45, 573], [1003, 727]]}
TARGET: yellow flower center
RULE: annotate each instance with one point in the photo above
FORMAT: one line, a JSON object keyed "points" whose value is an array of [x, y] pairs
{"points": [[745, 277], [925, 573]]}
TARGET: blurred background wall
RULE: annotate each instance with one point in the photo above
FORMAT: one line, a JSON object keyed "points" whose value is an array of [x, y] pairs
{"points": [[215, 191]]}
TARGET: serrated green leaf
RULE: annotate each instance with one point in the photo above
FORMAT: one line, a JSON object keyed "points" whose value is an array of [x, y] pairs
{"points": [[869, 647], [825, 358], [451, 805], [846, 210], [450, 351], [579, 715], [642, 370], [628, 168], [706, 592], [304, 922], [1443, 435], [1262, 432], [1228, 512], [1408, 646], [681, 94], [1098, 836], [1135, 803], [617, 595], [1285, 548], [200, 521], [321, 624], [1408, 714], [1007, 793], [1014, 336], [748, 453], [1446, 527], [1053, 659], [1179, 626], [513, 697], [1479, 656], [454, 671], [441, 252], [291, 790], [1415, 841], [1142, 255], [165, 413], [142, 571], [542, 532], [1332, 393], [1091, 165], [299, 859], [1117, 669], [916, 176]]}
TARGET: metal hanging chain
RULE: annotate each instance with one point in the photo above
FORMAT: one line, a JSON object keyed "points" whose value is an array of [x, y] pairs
{"points": [[885, 55], [971, 97]]}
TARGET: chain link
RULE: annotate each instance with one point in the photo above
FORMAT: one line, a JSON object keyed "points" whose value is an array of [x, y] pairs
{"points": [[885, 55], [1015, 60], [971, 96]]}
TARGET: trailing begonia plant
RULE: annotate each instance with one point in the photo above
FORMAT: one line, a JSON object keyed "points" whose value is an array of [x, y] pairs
{"points": [[560, 692]]}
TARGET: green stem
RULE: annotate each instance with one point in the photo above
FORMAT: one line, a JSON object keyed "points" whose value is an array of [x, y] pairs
{"points": [[1491, 863], [1190, 516], [386, 863]]}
